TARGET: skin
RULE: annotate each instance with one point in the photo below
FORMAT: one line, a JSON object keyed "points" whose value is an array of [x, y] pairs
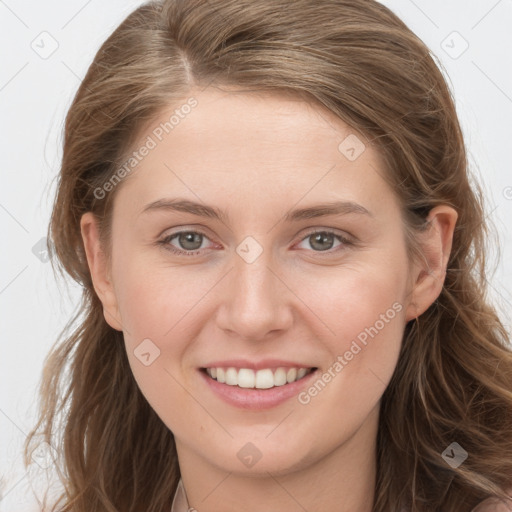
{"points": [[256, 157]]}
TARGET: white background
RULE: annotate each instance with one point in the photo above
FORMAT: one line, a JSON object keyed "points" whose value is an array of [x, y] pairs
{"points": [[35, 93]]}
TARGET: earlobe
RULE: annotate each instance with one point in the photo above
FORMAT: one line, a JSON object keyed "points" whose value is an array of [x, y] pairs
{"points": [[98, 267], [430, 272]]}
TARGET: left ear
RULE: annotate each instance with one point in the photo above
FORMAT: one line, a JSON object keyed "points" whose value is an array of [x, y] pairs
{"points": [[429, 273]]}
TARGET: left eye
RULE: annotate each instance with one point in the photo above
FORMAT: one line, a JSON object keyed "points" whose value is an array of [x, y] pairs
{"points": [[191, 241], [320, 239]]}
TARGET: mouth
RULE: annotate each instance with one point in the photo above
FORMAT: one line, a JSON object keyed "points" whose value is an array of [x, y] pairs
{"points": [[263, 379]]}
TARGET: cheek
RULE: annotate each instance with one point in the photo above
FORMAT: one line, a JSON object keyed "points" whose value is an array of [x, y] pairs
{"points": [[352, 299], [152, 293], [366, 312], [163, 310], [157, 310], [352, 295]]}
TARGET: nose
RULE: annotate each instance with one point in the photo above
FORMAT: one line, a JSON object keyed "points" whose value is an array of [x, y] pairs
{"points": [[256, 301]]}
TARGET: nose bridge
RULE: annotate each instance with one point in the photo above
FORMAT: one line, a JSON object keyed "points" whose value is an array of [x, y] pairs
{"points": [[254, 303]]}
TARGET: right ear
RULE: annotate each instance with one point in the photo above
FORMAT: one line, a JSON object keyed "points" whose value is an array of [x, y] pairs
{"points": [[100, 273]]}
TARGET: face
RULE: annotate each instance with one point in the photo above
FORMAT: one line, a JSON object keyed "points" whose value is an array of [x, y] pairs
{"points": [[300, 309]]}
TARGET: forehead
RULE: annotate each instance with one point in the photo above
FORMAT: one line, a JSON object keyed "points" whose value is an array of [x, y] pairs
{"points": [[243, 145]]}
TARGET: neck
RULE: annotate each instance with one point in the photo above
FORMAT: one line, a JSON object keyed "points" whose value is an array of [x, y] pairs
{"points": [[342, 480]]}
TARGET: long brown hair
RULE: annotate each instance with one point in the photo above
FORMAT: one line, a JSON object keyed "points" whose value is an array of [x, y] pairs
{"points": [[453, 380]]}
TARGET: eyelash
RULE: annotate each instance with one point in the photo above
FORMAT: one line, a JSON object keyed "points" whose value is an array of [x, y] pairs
{"points": [[165, 242]]}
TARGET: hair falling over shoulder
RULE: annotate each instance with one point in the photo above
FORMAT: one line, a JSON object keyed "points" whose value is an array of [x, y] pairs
{"points": [[453, 381]]}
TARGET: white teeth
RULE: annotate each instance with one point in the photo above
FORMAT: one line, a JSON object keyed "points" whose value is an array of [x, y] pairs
{"points": [[301, 373], [231, 377], [264, 379], [291, 375], [261, 379], [280, 377], [246, 378]]}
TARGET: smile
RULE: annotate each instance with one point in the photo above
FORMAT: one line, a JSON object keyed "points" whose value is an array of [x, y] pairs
{"points": [[265, 378]]}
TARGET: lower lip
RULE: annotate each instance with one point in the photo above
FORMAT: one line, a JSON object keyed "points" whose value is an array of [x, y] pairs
{"points": [[256, 399]]}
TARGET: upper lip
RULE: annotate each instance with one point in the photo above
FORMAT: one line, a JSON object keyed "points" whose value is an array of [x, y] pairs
{"points": [[259, 365]]}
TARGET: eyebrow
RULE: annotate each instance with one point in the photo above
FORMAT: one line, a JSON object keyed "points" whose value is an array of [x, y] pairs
{"points": [[311, 212]]}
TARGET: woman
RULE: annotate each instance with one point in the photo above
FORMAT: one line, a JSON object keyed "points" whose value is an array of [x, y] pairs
{"points": [[268, 206]]}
